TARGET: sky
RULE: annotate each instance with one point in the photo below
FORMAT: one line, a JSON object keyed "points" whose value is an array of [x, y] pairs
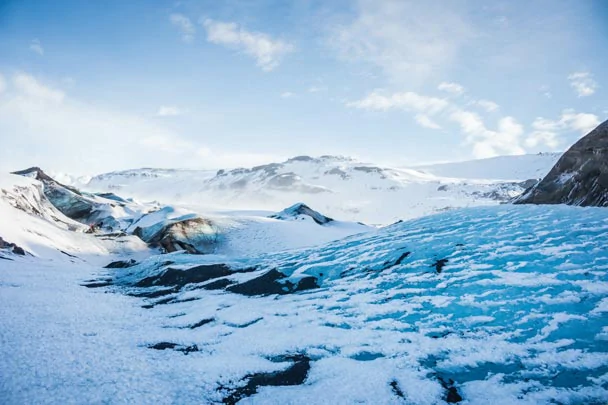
{"points": [[89, 87]]}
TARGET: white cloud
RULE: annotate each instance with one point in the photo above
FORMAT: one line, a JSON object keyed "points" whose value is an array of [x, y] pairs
{"points": [[487, 105], [287, 94], [581, 122], [169, 111], [267, 52], [453, 88], [2, 84], [184, 24], [27, 85], [316, 89], [409, 101], [549, 132], [407, 40], [36, 46], [58, 133], [505, 140], [424, 121], [582, 83]]}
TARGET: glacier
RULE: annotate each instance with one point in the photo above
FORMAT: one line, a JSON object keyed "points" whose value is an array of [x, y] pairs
{"points": [[501, 305]]}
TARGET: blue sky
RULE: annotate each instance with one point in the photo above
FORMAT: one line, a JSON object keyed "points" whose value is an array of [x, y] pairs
{"points": [[97, 86]]}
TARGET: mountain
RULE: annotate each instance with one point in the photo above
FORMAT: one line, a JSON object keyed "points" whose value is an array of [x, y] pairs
{"points": [[53, 206], [340, 187], [580, 176]]}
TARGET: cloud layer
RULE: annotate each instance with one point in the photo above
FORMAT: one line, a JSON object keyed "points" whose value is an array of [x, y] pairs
{"points": [[47, 128], [582, 83], [508, 138], [267, 52]]}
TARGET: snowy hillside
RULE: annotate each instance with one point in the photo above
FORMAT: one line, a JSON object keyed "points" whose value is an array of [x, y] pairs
{"points": [[339, 187], [521, 167]]}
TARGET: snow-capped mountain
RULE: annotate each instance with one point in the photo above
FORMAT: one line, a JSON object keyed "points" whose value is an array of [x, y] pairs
{"points": [[339, 187]]}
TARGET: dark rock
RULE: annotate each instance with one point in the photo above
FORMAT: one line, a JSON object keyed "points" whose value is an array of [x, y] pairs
{"points": [[112, 196], [302, 209], [97, 284], [452, 396], [155, 293], [194, 235], [69, 255], [303, 158], [265, 284], [273, 282], [174, 346], [368, 169], [296, 374], [388, 264], [179, 278], [306, 283], [121, 264], [218, 284], [443, 187], [528, 183], [580, 176], [163, 346], [439, 265], [69, 200], [200, 323], [395, 387], [338, 172], [18, 250]]}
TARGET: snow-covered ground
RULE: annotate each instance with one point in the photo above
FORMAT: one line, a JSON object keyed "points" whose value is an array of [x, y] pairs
{"points": [[339, 187], [516, 316]]}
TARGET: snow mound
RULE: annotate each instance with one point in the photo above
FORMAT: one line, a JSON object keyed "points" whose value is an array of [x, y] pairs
{"points": [[301, 211]]}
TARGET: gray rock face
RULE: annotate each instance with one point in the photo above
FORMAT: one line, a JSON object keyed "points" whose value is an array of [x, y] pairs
{"points": [[194, 235], [302, 209], [66, 199], [580, 176]]}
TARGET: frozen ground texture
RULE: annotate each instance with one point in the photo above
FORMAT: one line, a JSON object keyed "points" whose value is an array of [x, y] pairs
{"points": [[492, 305]]}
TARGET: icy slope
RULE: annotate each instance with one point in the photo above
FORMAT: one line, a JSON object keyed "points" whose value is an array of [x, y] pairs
{"points": [[522, 167], [29, 220], [501, 305], [339, 187]]}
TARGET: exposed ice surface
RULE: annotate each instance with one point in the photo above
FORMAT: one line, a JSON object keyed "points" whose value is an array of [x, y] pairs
{"points": [[493, 305]]}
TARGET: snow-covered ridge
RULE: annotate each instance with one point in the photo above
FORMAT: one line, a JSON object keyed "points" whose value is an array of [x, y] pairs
{"points": [[338, 186], [107, 216], [506, 168]]}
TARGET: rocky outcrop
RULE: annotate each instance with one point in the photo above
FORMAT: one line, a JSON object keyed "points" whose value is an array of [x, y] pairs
{"points": [[580, 176], [194, 235], [301, 209], [11, 247], [71, 202]]}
